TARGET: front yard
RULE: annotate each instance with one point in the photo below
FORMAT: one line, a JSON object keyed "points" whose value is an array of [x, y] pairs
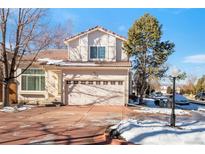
{"points": [[87, 125]]}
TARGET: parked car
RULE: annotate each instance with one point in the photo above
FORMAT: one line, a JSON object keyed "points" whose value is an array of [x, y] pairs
{"points": [[155, 95], [179, 99], [200, 96], [133, 100], [159, 99]]}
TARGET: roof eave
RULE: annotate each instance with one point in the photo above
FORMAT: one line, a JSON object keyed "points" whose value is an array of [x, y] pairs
{"points": [[66, 41]]}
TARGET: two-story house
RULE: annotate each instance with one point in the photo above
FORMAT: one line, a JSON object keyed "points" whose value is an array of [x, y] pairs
{"points": [[93, 70]]}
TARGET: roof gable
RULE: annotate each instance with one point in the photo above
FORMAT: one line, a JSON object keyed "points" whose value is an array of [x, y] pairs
{"points": [[97, 28]]}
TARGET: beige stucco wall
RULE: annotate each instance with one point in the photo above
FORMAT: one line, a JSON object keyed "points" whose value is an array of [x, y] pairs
{"points": [[78, 49], [120, 93], [53, 87], [115, 94]]}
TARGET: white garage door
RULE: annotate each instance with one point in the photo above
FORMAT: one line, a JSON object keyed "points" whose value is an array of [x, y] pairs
{"points": [[95, 92]]}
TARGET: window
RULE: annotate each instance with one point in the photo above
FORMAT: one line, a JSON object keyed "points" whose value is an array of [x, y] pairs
{"points": [[97, 52], [90, 82], [97, 82], [105, 82], [75, 82], [93, 52], [120, 83], [68, 82], [112, 82], [83, 82], [33, 79], [101, 52]]}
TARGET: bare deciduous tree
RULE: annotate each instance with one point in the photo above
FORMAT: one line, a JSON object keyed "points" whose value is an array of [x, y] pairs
{"points": [[22, 32], [189, 87], [59, 33]]}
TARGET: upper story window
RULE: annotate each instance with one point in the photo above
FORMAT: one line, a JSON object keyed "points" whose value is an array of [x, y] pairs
{"points": [[97, 52], [33, 80]]}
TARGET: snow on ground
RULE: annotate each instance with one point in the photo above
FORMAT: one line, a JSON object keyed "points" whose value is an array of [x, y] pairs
{"points": [[150, 107], [162, 111], [158, 132], [50, 61], [16, 109], [47, 140], [8, 109], [191, 106]]}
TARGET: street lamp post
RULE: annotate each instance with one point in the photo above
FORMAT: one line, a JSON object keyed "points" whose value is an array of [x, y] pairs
{"points": [[175, 73], [173, 116]]}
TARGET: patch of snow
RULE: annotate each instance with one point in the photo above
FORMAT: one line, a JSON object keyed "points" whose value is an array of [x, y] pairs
{"points": [[152, 108], [25, 126], [8, 109], [158, 132], [103, 122], [162, 111], [50, 61], [54, 62], [46, 127], [77, 64], [80, 125], [47, 140], [16, 109], [201, 109], [22, 108], [62, 63], [109, 121]]}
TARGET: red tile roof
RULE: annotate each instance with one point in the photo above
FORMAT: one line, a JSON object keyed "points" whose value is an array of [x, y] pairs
{"points": [[55, 54]]}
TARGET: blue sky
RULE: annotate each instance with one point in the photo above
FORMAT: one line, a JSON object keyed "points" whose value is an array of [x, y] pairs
{"points": [[184, 27]]}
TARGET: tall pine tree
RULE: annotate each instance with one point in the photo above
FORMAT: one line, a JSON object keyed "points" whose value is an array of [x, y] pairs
{"points": [[149, 52]]}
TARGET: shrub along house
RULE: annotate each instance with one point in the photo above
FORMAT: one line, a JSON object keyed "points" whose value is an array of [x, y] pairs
{"points": [[92, 70]]}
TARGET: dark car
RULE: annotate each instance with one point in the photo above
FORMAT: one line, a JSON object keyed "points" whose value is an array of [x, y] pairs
{"points": [[200, 96]]}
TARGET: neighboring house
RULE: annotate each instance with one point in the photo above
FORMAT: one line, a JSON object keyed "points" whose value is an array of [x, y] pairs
{"points": [[93, 70], [163, 89]]}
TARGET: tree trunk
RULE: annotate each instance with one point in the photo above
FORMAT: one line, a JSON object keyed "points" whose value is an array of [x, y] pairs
{"points": [[6, 94], [141, 93], [141, 99]]}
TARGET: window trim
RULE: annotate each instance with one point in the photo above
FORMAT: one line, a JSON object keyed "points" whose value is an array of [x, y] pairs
{"points": [[94, 59], [33, 75]]}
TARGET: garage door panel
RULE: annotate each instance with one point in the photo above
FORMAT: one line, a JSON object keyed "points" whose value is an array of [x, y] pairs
{"points": [[83, 94]]}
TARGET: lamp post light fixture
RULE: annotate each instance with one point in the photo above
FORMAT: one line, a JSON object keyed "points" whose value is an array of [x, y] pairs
{"points": [[175, 73]]}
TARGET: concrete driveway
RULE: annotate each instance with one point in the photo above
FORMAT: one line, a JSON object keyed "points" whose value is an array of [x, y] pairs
{"points": [[61, 125]]}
